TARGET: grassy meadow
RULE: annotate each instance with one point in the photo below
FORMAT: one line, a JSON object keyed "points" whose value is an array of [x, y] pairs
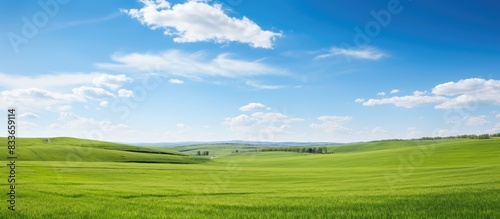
{"points": [[74, 178]]}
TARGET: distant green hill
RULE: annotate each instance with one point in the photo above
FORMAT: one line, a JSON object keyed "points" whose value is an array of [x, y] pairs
{"points": [[380, 153], [217, 150], [83, 150], [421, 153]]}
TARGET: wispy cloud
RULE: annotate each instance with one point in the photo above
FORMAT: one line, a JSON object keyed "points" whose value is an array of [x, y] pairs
{"points": [[476, 120], [28, 115], [263, 86], [191, 65], [85, 21], [47, 81], [369, 53]]}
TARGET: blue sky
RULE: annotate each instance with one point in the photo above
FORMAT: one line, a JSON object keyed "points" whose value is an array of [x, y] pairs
{"points": [[295, 70]]}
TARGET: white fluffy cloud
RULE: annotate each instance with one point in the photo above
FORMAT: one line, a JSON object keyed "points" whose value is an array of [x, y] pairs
{"points": [[175, 62], [51, 91], [472, 92], [469, 93], [198, 21], [406, 101], [113, 82], [253, 106], [85, 93], [175, 81], [359, 100], [361, 53], [332, 124], [462, 86], [381, 93], [125, 93], [394, 91], [34, 98]]}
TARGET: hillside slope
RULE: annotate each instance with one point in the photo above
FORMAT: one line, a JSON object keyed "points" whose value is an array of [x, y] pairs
{"points": [[387, 154], [83, 150]]}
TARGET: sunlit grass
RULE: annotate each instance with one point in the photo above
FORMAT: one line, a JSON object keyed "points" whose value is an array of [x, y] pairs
{"points": [[454, 179]]}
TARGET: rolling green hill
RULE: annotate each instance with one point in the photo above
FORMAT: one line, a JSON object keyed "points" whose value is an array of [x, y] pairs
{"points": [[73, 149], [424, 153], [453, 178]]}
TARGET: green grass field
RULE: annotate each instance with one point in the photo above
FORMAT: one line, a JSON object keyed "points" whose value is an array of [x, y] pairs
{"points": [[78, 150], [72, 178]]}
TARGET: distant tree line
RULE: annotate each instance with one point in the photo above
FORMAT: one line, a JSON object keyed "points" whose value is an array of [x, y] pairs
{"points": [[471, 136], [202, 153], [310, 150], [244, 151], [482, 136]]}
